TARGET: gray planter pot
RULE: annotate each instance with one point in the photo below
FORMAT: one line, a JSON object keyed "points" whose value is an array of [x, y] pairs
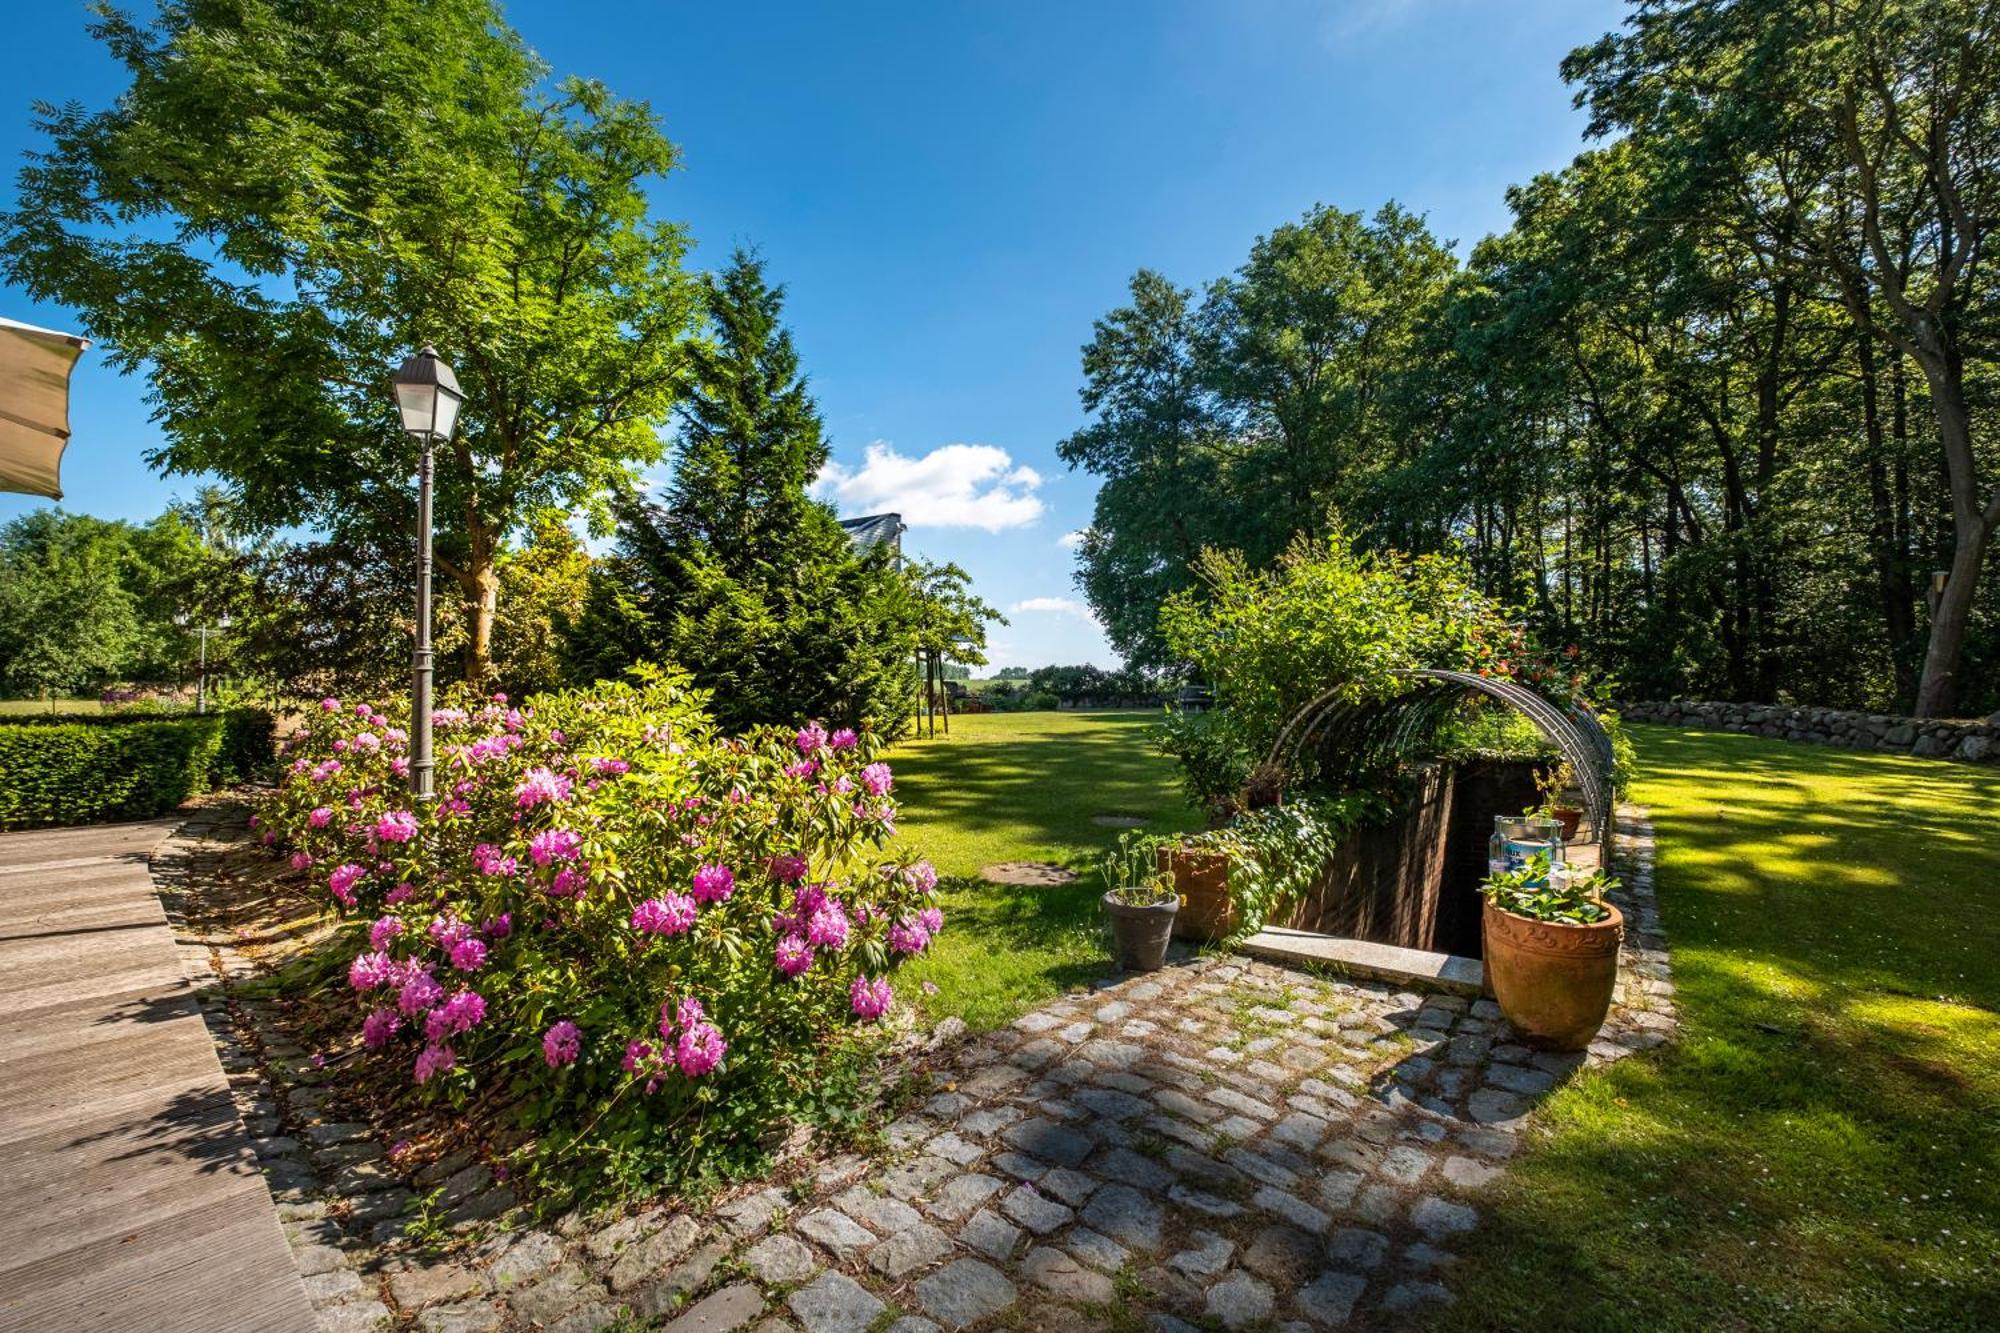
{"points": [[1141, 933]]}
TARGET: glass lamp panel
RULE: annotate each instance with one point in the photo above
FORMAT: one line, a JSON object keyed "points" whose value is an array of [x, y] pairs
{"points": [[447, 411], [418, 404]]}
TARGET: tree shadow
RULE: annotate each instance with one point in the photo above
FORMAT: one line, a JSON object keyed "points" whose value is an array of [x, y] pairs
{"points": [[199, 1127]]}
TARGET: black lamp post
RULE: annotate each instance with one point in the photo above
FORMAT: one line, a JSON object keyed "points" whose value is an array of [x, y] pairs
{"points": [[427, 395]]}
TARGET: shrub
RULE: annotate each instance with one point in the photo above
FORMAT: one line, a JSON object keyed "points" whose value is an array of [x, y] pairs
{"points": [[91, 768], [1324, 617], [640, 934], [248, 738], [1214, 757], [1329, 618]]}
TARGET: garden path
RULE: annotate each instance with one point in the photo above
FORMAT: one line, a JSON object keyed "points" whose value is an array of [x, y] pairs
{"points": [[133, 1200], [1228, 1141]]}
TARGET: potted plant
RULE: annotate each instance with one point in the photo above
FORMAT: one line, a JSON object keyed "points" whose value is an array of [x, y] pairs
{"points": [[1140, 904], [1199, 873], [1556, 784], [1551, 951]]}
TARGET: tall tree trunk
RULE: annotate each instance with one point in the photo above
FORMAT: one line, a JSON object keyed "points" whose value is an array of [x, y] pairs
{"points": [[1972, 523], [478, 579], [1892, 580]]}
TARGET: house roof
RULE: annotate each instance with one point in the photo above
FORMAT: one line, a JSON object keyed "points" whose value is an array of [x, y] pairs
{"points": [[875, 530]]}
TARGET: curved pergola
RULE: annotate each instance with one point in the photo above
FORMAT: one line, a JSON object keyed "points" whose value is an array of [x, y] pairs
{"points": [[1376, 732]]}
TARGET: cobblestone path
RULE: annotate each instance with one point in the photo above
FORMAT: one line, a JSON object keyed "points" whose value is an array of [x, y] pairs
{"points": [[1225, 1142]]}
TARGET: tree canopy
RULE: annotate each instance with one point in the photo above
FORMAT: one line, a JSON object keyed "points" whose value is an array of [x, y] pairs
{"points": [[1716, 408], [294, 194]]}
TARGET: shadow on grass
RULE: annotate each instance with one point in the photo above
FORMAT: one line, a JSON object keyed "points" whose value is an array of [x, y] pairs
{"points": [[1816, 1149], [1048, 784]]}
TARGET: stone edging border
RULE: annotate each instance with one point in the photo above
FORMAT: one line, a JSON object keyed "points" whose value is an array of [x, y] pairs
{"points": [[1645, 969]]}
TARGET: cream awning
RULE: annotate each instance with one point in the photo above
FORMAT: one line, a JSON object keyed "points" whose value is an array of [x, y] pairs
{"points": [[34, 406]]}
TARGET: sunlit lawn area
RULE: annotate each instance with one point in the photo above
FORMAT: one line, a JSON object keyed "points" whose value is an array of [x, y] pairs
{"points": [[1025, 787], [1822, 1148]]}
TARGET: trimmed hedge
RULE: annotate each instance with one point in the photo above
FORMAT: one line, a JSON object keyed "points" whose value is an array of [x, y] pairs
{"points": [[91, 769]]}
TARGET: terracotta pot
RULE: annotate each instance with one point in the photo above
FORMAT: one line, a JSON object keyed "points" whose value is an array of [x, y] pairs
{"points": [[1571, 819], [1141, 933], [1554, 982], [1202, 881]]}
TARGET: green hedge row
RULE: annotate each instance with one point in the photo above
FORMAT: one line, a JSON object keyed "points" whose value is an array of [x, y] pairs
{"points": [[89, 770]]}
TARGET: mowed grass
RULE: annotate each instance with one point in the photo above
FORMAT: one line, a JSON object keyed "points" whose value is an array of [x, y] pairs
{"points": [[1024, 787], [28, 707], [1821, 1149]]}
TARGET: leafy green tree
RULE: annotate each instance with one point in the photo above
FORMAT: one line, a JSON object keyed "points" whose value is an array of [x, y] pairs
{"points": [[1155, 446], [1857, 144], [1238, 423], [334, 617], [740, 577], [948, 623], [543, 585], [67, 620], [294, 194]]}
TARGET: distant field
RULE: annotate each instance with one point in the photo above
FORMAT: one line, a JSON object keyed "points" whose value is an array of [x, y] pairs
{"points": [[15, 707]]}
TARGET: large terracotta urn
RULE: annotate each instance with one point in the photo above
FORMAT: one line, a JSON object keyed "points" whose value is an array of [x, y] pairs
{"points": [[1553, 981], [1202, 881]]}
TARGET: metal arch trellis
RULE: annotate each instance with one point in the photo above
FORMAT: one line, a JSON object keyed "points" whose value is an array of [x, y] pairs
{"points": [[1385, 728]]}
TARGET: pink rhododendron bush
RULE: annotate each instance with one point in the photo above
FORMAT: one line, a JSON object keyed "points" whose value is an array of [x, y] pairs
{"points": [[643, 938]]}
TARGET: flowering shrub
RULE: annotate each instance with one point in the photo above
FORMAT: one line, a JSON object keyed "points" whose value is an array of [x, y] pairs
{"points": [[609, 910]]}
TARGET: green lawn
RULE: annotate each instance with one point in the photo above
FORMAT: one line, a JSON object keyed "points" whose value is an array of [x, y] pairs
{"points": [[17, 707], [1024, 787], [1821, 1149]]}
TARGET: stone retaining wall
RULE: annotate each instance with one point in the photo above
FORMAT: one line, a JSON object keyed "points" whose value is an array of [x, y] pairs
{"points": [[1971, 742]]}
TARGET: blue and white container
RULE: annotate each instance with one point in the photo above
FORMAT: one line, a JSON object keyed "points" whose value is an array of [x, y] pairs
{"points": [[1519, 839]]}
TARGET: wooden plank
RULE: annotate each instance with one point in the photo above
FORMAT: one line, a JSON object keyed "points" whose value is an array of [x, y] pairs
{"points": [[1380, 962], [133, 1199]]}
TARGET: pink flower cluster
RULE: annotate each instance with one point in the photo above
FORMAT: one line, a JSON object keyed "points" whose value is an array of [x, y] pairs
{"points": [[870, 998], [561, 1044], [342, 881], [396, 826], [714, 884], [538, 785], [555, 844], [699, 1047], [669, 914]]}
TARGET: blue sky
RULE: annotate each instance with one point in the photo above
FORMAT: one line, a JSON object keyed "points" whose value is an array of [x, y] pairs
{"points": [[951, 192]]}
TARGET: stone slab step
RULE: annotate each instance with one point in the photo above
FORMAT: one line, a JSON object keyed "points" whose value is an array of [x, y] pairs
{"points": [[1382, 962]]}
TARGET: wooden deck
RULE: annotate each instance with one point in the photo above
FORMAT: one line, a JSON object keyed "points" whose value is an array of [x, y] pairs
{"points": [[129, 1198]]}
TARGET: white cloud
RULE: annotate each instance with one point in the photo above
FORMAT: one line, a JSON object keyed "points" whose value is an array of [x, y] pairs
{"points": [[1069, 541], [1058, 606], [952, 486]]}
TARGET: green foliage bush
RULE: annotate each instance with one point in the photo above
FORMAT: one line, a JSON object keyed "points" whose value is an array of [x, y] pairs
{"points": [[93, 768], [1330, 619], [1215, 759], [1325, 616]]}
